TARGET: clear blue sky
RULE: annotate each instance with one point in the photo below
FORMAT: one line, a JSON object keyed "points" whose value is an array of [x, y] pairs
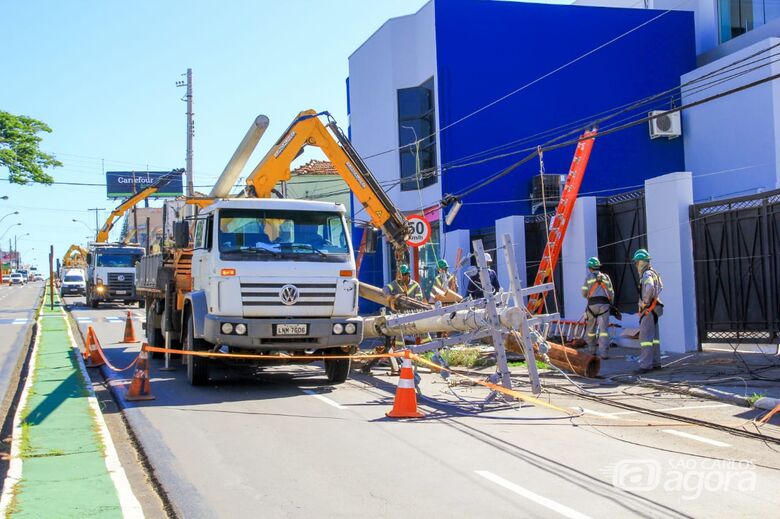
{"points": [[102, 75]]}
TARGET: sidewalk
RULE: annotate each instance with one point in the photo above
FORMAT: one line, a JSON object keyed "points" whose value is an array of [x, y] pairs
{"points": [[739, 377], [63, 463]]}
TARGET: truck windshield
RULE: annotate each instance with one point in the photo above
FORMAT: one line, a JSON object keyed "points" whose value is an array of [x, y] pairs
{"points": [[267, 235], [116, 260], [73, 279]]}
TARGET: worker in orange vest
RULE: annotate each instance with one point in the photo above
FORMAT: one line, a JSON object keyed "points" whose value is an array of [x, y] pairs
{"points": [[650, 310], [597, 290]]}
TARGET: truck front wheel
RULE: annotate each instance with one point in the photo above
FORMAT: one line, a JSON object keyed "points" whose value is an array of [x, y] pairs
{"points": [[337, 370], [197, 367]]}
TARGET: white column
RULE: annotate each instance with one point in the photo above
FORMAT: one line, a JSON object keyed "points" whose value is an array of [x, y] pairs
{"points": [[667, 199], [580, 243], [515, 227], [454, 240]]}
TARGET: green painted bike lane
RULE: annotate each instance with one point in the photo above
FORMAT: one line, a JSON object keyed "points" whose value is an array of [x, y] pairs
{"points": [[62, 451]]}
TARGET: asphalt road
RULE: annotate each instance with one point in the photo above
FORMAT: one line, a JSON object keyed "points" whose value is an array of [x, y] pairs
{"points": [[17, 312], [284, 444]]}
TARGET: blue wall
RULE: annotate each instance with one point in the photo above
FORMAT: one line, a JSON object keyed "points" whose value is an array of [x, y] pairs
{"points": [[486, 49]]}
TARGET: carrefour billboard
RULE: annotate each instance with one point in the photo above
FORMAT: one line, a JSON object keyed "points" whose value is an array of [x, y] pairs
{"points": [[122, 184]]}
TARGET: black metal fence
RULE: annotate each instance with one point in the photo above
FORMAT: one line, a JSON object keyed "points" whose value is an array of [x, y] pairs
{"points": [[736, 246], [535, 242], [622, 229]]}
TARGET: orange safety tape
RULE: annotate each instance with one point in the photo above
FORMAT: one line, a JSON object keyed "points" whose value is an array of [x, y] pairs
{"points": [[271, 357], [494, 387], [108, 362]]}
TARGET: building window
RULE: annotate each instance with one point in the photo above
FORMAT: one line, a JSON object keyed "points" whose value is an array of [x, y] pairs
{"points": [[740, 16], [416, 139]]}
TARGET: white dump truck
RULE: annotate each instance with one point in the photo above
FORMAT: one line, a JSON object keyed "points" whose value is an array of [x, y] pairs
{"points": [[262, 276], [111, 273]]}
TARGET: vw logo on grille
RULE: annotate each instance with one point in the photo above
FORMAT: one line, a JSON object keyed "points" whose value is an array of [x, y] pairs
{"points": [[120, 277], [289, 294]]}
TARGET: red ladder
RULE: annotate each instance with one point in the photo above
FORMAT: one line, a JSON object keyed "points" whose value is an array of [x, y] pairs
{"points": [[560, 221]]}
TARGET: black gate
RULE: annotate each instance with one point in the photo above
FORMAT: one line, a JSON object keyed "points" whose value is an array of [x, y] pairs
{"points": [[622, 229], [736, 246], [535, 242]]}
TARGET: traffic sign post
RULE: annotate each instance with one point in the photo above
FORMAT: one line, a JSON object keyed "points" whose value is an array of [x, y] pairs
{"points": [[421, 234]]}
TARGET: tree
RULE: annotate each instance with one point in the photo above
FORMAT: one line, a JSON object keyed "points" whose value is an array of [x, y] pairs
{"points": [[19, 151]]}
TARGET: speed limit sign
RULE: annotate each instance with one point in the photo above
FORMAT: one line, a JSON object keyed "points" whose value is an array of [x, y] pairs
{"points": [[421, 231]]}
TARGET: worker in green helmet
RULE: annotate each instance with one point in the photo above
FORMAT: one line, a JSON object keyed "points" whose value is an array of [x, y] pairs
{"points": [[599, 294], [444, 279], [403, 284], [650, 309]]}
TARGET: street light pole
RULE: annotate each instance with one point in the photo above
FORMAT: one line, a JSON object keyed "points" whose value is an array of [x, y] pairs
{"points": [[97, 225], [16, 249], [9, 228], [9, 214]]}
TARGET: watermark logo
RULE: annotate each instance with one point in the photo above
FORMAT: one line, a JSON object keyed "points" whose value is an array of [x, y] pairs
{"points": [[689, 477]]}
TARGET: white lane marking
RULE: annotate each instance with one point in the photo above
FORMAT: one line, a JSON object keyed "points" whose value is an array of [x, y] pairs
{"points": [[19, 321], [131, 507], [694, 437], [603, 415], [536, 498], [14, 474], [665, 409], [324, 399], [681, 408]]}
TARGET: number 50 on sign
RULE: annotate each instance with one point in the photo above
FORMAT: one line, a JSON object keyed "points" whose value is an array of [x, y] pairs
{"points": [[421, 231]]}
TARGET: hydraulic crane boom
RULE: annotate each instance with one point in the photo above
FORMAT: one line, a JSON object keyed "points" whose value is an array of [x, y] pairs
{"points": [[102, 236], [308, 130]]}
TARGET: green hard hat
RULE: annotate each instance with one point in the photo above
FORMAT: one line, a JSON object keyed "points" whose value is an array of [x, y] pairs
{"points": [[404, 269], [641, 255], [594, 263], [442, 264]]}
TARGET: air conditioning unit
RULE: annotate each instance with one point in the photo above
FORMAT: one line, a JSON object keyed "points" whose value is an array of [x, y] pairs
{"points": [[665, 124]]}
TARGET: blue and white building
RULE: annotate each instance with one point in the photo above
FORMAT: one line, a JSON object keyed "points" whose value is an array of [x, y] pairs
{"points": [[453, 94]]}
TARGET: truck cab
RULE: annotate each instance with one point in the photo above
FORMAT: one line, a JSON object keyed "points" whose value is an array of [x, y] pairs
{"points": [[274, 275], [111, 273]]}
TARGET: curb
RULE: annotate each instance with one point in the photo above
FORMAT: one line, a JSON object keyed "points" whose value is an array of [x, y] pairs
{"points": [[767, 403]]}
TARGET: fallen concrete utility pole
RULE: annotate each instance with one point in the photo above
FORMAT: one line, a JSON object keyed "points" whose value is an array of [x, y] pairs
{"points": [[502, 317], [466, 319]]}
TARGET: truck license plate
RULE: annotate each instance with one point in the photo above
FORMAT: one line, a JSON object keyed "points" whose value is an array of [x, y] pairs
{"points": [[291, 329], [121, 292]]}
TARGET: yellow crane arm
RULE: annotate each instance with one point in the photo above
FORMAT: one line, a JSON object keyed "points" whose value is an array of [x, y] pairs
{"points": [[75, 257], [308, 130], [102, 236]]}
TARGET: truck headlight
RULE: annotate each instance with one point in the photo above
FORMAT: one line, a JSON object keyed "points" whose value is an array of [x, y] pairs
{"points": [[241, 329], [227, 328], [338, 328], [350, 328], [100, 289]]}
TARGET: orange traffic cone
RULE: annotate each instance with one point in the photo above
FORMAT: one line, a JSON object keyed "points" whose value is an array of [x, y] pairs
{"points": [[92, 357], [405, 404], [129, 331], [140, 387]]}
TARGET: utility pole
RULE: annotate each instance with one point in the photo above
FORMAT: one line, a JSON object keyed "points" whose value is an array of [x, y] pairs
{"points": [[97, 225], [190, 188]]}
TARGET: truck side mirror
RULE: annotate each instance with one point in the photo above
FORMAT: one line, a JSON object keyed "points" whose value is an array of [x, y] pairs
{"points": [[181, 234], [371, 239], [89, 258]]}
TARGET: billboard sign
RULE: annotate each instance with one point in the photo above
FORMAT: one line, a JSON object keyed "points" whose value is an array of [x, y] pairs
{"points": [[122, 184]]}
